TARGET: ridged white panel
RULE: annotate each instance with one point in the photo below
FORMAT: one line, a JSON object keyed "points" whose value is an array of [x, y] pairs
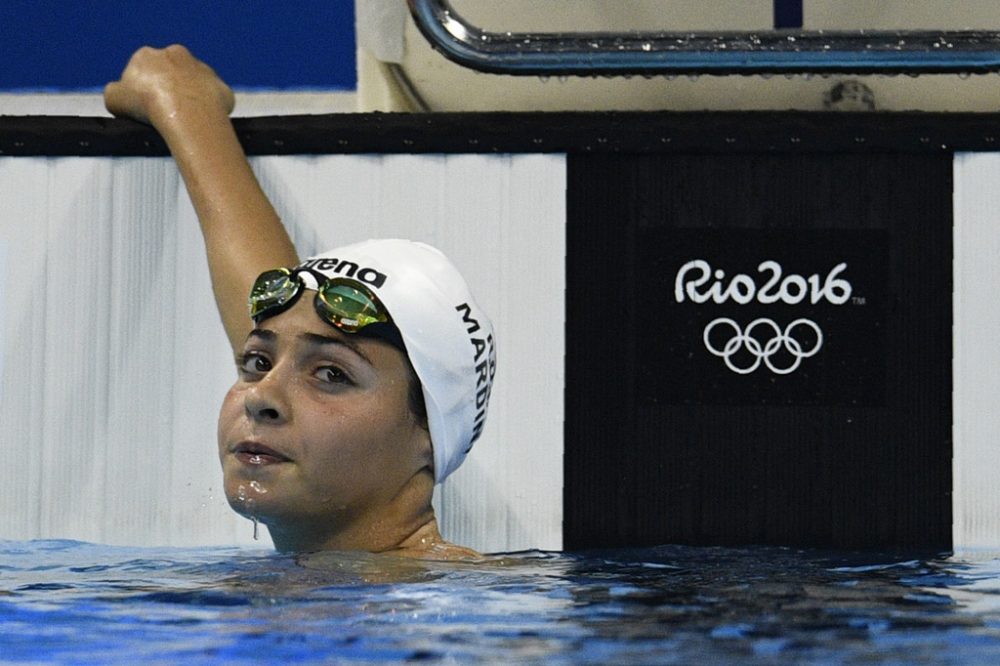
{"points": [[976, 355], [113, 366], [114, 361]]}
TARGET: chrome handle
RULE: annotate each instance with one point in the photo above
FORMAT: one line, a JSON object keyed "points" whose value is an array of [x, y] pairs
{"points": [[659, 53]]}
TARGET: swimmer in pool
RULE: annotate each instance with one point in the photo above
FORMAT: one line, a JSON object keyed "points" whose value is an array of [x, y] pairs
{"points": [[363, 373]]}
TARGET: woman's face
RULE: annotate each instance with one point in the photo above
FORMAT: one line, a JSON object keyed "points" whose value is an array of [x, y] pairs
{"points": [[317, 433]]}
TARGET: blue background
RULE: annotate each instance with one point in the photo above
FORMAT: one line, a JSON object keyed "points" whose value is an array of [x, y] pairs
{"points": [[253, 44]]}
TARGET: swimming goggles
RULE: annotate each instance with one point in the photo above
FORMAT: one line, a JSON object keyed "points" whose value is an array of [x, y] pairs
{"points": [[347, 304]]}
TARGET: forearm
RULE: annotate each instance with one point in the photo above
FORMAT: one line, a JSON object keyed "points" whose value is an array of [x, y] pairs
{"points": [[243, 234], [189, 105]]}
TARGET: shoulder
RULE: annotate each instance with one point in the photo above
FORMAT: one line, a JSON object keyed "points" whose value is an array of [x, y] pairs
{"points": [[440, 551]]}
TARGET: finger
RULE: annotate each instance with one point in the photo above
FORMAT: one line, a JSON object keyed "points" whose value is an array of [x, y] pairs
{"points": [[112, 94], [229, 99], [118, 100]]}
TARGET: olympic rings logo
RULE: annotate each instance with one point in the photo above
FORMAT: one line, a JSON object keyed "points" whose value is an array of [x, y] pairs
{"points": [[763, 351]]}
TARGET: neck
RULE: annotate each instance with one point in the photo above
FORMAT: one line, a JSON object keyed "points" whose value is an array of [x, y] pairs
{"points": [[406, 523]]}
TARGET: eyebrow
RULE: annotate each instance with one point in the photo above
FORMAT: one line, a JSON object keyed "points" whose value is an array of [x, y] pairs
{"points": [[314, 339]]}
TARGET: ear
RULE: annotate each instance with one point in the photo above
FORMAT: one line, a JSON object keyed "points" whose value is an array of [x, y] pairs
{"points": [[425, 447]]}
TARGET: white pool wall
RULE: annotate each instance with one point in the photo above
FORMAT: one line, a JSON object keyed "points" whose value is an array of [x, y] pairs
{"points": [[114, 360], [976, 361]]}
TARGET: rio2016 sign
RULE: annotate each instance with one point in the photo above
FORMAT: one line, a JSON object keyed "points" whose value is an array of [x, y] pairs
{"points": [[763, 316], [742, 288], [763, 338]]}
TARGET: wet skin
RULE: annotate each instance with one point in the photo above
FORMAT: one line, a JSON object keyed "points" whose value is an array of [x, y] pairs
{"points": [[317, 440]]}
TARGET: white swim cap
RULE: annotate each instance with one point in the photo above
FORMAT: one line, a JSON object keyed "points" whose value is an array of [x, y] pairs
{"points": [[448, 338]]}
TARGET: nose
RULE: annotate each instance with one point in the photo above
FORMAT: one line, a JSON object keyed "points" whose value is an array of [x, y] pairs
{"points": [[266, 401]]}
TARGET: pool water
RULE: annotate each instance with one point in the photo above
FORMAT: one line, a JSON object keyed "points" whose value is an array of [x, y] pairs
{"points": [[78, 603]]}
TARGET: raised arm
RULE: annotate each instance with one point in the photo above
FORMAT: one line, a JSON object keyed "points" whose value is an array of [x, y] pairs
{"points": [[189, 105]]}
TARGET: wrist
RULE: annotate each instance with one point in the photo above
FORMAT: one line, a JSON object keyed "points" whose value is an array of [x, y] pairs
{"points": [[188, 126]]}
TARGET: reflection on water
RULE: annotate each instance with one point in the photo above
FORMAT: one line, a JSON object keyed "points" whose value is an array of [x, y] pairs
{"points": [[69, 602]]}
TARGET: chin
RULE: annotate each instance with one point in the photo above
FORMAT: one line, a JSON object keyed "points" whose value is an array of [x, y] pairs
{"points": [[249, 498]]}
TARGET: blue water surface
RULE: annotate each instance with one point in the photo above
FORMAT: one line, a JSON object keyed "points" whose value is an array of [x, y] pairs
{"points": [[78, 603]]}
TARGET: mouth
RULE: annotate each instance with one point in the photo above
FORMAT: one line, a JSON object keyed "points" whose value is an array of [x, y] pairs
{"points": [[255, 453]]}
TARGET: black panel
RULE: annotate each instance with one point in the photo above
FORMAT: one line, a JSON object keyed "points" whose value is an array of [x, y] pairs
{"points": [[665, 444]]}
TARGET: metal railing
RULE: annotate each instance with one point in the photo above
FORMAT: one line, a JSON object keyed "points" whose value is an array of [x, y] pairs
{"points": [[666, 53]]}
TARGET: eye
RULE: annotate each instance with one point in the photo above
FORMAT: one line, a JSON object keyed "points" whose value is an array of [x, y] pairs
{"points": [[253, 363], [331, 374]]}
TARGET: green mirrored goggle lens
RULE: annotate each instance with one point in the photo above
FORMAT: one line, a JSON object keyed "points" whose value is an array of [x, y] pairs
{"points": [[348, 306], [342, 302], [273, 289]]}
